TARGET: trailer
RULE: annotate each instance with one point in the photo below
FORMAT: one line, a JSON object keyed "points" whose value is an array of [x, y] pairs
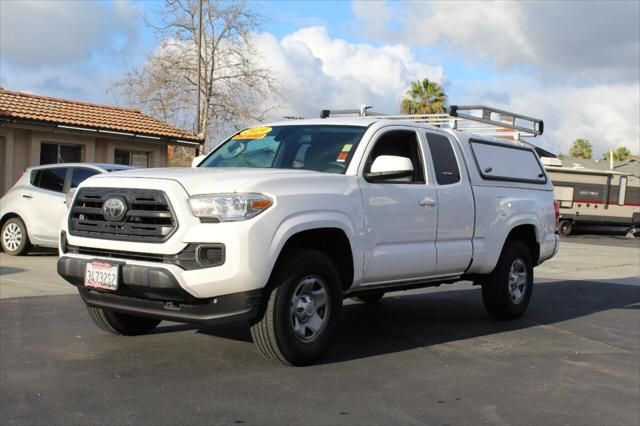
{"points": [[593, 197]]}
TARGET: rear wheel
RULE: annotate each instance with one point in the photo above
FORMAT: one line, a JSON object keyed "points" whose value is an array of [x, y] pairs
{"points": [[369, 297], [565, 228], [121, 324], [507, 290], [302, 311], [14, 237]]}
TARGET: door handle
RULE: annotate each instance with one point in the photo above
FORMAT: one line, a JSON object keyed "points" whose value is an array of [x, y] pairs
{"points": [[27, 196], [427, 202]]}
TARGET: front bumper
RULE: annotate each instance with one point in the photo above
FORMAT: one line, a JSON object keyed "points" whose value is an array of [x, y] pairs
{"points": [[155, 293]]}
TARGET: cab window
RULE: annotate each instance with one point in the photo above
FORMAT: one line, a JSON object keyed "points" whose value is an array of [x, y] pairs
{"points": [[400, 143], [445, 164]]}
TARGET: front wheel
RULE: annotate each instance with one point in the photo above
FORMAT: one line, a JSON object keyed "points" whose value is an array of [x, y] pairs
{"points": [[121, 324], [15, 240], [302, 311], [507, 290]]}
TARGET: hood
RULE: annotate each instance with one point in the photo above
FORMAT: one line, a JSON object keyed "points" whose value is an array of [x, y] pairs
{"points": [[206, 180]]}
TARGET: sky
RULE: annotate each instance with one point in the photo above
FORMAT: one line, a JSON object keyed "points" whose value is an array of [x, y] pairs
{"points": [[574, 64]]}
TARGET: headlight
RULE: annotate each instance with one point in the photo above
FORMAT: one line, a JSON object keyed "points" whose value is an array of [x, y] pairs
{"points": [[229, 207]]}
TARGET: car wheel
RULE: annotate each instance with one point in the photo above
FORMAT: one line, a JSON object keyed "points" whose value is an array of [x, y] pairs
{"points": [[121, 324], [14, 237], [565, 228], [369, 297], [507, 290], [301, 312]]}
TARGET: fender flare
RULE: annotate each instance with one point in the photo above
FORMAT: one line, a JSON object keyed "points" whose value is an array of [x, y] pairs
{"points": [[318, 219]]}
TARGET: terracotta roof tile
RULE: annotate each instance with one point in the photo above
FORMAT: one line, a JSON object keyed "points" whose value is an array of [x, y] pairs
{"points": [[72, 113]]}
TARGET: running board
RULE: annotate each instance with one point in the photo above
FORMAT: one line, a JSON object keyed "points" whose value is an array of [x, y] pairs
{"points": [[404, 285]]}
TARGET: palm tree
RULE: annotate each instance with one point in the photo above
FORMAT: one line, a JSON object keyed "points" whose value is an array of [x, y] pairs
{"points": [[581, 149], [620, 154], [424, 97]]}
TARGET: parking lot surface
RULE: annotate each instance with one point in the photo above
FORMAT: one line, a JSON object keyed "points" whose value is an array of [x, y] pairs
{"points": [[426, 356]]}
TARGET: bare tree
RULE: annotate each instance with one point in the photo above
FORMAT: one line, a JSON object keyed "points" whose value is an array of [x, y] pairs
{"points": [[234, 83]]}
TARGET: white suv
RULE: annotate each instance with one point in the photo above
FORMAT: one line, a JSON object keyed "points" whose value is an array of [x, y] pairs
{"points": [[282, 222], [31, 211]]}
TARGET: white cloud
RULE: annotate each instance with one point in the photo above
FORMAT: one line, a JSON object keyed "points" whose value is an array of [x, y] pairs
{"points": [[606, 114], [317, 72], [577, 63], [592, 39], [69, 49], [40, 33], [581, 61]]}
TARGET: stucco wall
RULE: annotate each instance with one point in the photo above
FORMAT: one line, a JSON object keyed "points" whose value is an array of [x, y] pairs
{"points": [[20, 148]]}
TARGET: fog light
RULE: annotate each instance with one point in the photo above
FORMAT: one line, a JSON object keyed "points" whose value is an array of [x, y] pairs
{"points": [[210, 254]]}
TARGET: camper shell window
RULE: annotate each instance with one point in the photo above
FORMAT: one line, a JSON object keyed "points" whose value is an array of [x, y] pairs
{"points": [[507, 162]]}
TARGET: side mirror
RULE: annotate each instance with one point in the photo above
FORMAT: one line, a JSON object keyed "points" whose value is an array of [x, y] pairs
{"points": [[386, 167], [197, 160]]}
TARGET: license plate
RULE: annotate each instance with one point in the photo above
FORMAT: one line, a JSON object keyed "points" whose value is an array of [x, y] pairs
{"points": [[101, 275]]}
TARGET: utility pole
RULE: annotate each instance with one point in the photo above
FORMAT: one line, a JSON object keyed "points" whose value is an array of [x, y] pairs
{"points": [[198, 130]]}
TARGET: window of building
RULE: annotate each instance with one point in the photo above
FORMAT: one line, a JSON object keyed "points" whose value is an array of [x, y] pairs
{"points": [[444, 159], [52, 153], [50, 179], [131, 158]]}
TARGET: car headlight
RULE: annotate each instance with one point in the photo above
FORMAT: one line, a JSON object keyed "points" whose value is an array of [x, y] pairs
{"points": [[229, 207]]}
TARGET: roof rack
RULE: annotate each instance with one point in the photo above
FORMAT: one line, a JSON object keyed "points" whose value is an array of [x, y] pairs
{"points": [[468, 118]]}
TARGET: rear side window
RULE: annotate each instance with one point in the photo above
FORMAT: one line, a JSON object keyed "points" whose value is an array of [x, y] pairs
{"points": [[49, 179], [445, 164], [502, 161], [80, 174]]}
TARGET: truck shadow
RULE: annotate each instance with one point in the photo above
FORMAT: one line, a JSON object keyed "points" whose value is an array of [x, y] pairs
{"points": [[407, 321]]}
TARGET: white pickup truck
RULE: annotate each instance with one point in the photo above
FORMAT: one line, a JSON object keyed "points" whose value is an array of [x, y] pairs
{"points": [[282, 222]]}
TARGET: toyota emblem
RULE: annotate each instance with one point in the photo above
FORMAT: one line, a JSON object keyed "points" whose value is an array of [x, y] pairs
{"points": [[114, 209]]}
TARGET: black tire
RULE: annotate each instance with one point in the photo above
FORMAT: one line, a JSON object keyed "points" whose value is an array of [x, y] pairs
{"points": [[369, 297], [300, 275], [14, 237], [121, 324], [499, 301], [565, 228]]}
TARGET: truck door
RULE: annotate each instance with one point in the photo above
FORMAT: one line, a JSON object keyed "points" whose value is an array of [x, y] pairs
{"points": [[456, 209], [400, 213]]}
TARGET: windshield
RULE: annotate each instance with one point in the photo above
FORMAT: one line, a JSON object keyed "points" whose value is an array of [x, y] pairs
{"points": [[323, 148]]}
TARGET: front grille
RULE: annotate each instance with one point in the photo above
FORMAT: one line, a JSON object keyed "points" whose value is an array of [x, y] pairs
{"points": [[186, 259], [148, 218], [193, 256]]}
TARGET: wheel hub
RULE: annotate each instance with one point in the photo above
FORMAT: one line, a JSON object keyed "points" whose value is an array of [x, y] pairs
{"points": [[309, 310], [517, 283], [305, 308], [12, 236]]}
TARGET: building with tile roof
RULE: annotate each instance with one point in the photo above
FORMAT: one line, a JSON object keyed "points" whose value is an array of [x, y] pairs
{"points": [[41, 130]]}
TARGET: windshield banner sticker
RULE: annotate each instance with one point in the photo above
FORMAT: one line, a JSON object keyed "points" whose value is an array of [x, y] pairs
{"points": [[344, 153], [255, 133]]}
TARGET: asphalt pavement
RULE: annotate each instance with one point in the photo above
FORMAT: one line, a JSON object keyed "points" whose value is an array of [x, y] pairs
{"points": [[422, 357]]}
